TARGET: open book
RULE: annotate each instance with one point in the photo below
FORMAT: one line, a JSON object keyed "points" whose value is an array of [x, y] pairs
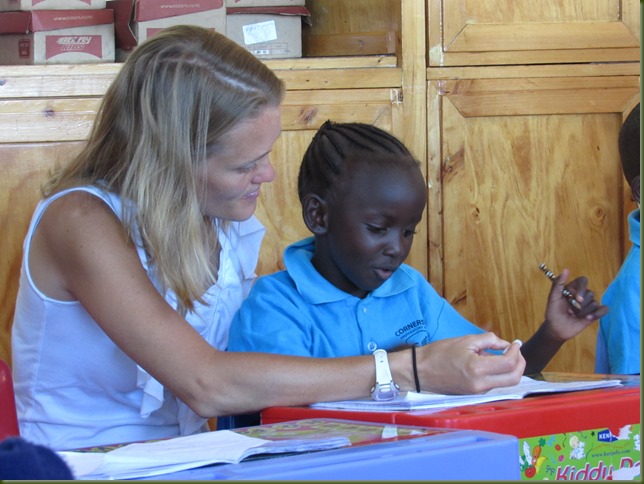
{"points": [[437, 401], [179, 453]]}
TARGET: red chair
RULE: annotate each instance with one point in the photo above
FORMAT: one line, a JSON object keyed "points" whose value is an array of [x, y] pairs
{"points": [[8, 416]]}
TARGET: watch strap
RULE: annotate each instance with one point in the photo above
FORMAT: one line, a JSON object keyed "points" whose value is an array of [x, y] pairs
{"points": [[385, 388]]}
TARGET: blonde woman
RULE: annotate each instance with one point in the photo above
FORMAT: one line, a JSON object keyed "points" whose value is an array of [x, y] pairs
{"points": [[143, 248]]}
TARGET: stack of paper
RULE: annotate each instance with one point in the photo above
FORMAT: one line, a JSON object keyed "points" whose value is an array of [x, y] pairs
{"points": [[437, 401], [176, 454]]}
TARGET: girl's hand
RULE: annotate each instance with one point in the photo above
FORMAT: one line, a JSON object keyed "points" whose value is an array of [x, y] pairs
{"points": [[563, 320]]}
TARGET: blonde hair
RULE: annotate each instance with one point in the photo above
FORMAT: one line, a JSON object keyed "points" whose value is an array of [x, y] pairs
{"points": [[172, 101]]}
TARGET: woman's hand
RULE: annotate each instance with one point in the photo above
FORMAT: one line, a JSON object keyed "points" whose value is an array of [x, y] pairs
{"points": [[463, 366]]}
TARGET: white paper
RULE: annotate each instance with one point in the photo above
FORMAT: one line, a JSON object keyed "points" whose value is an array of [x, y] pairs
{"points": [[259, 32], [436, 401], [179, 453]]}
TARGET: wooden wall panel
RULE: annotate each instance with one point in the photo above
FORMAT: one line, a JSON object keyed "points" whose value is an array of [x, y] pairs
{"points": [[23, 168]]}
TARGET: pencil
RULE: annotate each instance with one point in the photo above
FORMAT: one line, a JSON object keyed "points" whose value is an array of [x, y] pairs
{"points": [[550, 275]]}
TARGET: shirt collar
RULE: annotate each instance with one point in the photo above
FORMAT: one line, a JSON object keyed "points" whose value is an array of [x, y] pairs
{"points": [[315, 289], [634, 227]]}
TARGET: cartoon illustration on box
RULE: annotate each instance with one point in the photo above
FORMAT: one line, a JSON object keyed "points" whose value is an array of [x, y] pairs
{"points": [[599, 454], [577, 448]]}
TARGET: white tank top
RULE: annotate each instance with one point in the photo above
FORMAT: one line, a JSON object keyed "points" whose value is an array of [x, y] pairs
{"points": [[75, 388]]}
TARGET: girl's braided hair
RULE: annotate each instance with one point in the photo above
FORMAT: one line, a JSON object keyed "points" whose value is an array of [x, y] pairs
{"points": [[337, 147]]}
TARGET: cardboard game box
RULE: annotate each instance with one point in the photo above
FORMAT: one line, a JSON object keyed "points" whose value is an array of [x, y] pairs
{"points": [[56, 37], [267, 32], [6, 5], [136, 20], [585, 435]]}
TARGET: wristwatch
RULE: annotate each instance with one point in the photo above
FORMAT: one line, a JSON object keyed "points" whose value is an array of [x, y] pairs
{"points": [[385, 388]]}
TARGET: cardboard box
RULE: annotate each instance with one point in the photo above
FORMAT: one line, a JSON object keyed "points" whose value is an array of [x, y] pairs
{"points": [[9, 5], [265, 3], [136, 20], [268, 32], [56, 37]]}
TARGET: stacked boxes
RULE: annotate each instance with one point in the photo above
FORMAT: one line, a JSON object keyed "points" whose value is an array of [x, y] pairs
{"points": [[136, 20], [6, 5], [55, 32], [270, 29], [264, 3], [91, 31]]}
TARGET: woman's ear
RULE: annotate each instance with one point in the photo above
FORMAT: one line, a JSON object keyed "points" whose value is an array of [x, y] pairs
{"points": [[315, 213]]}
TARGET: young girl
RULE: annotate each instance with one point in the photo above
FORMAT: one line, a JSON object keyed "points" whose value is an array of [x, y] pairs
{"points": [[346, 291]]}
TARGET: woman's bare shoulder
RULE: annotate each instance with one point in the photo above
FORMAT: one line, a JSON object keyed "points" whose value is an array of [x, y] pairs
{"points": [[78, 215], [78, 203], [75, 229]]}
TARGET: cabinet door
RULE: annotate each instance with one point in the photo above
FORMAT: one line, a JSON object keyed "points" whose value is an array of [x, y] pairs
{"points": [[494, 32], [524, 169]]}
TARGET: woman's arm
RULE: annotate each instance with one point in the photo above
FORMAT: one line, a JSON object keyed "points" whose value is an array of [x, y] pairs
{"points": [[80, 252]]}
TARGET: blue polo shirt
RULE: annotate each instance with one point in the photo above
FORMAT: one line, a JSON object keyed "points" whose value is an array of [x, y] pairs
{"points": [[299, 312], [618, 338]]}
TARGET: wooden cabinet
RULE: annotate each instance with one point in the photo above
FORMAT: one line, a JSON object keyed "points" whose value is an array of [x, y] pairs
{"points": [[47, 126], [525, 102], [355, 27], [497, 32], [524, 169], [512, 106], [46, 112]]}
